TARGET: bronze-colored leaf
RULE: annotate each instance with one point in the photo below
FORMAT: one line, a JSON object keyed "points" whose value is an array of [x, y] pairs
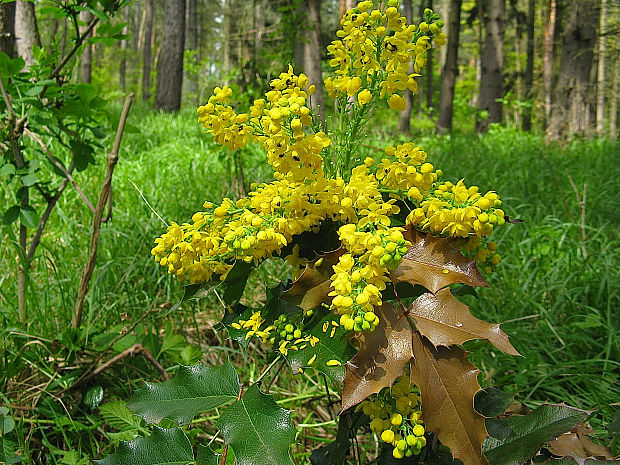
{"points": [[448, 383], [381, 359], [311, 289], [445, 321], [433, 263], [575, 443]]}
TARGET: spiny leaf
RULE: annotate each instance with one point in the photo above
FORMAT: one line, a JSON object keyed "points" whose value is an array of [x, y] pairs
{"points": [[492, 402], [259, 431], [163, 447], [516, 439], [336, 452], [433, 263], [448, 384], [445, 321], [192, 390], [333, 345], [311, 289], [575, 444], [381, 359]]}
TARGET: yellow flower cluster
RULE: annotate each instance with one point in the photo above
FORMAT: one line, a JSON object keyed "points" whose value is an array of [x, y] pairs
{"points": [[395, 417], [374, 51]]}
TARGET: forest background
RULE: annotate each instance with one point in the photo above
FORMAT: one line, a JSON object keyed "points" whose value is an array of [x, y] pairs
{"points": [[523, 99]]}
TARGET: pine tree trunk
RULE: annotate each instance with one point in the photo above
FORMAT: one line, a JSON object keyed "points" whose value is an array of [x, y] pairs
{"points": [[192, 40], [312, 54], [491, 85], [7, 29], [26, 30], [529, 67], [404, 117], [146, 50], [86, 65], [569, 114], [450, 70], [548, 59], [170, 69], [602, 51], [226, 41]]}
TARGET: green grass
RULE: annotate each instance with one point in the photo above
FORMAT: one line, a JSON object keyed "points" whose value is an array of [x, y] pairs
{"points": [[560, 306]]}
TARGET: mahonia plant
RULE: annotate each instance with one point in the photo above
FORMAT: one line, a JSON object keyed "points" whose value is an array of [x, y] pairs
{"points": [[375, 311]]}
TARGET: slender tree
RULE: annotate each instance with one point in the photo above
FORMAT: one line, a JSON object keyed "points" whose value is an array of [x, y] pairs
{"points": [[312, 53], [7, 29], [529, 66], [170, 69], [149, 13], [86, 64], [345, 5], [404, 118], [450, 69], [192, 39], [613, 108], [548, 58], [124, 46], [602, 59], [26, 30], [491, 85]]}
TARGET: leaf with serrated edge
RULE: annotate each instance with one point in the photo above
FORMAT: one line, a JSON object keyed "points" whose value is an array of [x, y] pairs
{"points": [[205, 456], [311, 289], [381, 359], [193, 389], [523, 436], [433, 263], [259, 431], [163, 447], [445, 321], [448, 383]]}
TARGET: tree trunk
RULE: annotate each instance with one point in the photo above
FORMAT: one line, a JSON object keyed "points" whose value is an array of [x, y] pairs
{"points": [[491, 85], [226, 41], [346, 5], [312, 54], [602, 51], [569, 114], [86, 65], [192, 40], [404, 117], [450, 70], [170, 69], [429, 70], [444, 12], [529, 66], [7, 29], [146, 51], [124, 45], [548, 59], [26, 30], [613, 108]]}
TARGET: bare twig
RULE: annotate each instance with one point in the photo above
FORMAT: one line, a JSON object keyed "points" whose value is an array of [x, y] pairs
{"points": [[78, 43], [582, 204], [61, 167], [103, 199], [6, 97]]}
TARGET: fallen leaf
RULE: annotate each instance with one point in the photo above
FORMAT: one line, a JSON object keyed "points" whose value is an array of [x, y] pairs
{"points": [[381, 359], [575, 444], [445, 321], [448, 384], [433, 263]]}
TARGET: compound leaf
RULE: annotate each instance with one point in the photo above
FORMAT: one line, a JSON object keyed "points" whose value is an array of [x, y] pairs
{"points": [[448, 383], [164, 446], [193, 389], [259, 431]]}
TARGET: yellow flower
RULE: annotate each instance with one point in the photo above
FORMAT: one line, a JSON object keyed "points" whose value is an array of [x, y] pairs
{"points": [[396, 102]]}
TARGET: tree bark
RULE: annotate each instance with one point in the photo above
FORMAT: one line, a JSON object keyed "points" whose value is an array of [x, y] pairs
{"points": [[170, 69], [192, 40], [429, 70], [569, 114], [529, 66], [226, 41], [450, 69], [613, 108], [146, 50], [7, 29], [602, 51], [548, 59], [404, 117], [86, 64], [345, 5], [491, 85], [122, 75], [312, 54], [26, 30]]}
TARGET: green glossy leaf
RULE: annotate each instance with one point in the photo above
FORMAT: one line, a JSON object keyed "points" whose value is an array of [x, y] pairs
{"points": [[205, 456], [163, 447], [11, 215], [516, 439], [193, 389], [93, 397], [336, 453], [492, 402], [333, 345], [259, 431], [235, 282], [28, 217], [233, 315], [118, 416]]}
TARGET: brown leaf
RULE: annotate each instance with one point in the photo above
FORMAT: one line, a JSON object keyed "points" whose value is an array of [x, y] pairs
{"points": [[448, 383], [433, 263], [446, 321], [311, 289], [381, 359], [575, 444]]}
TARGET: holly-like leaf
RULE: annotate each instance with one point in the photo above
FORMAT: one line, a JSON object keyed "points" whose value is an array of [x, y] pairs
{"points": [[336, 452], [333, 344], [492, 402], [193, 389], [381, 359], [516, 439], [164, 446], [433, 263], [448, 383], [575, 444], [311, 289], [445, 321], [259, 431], [205, 456]]}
